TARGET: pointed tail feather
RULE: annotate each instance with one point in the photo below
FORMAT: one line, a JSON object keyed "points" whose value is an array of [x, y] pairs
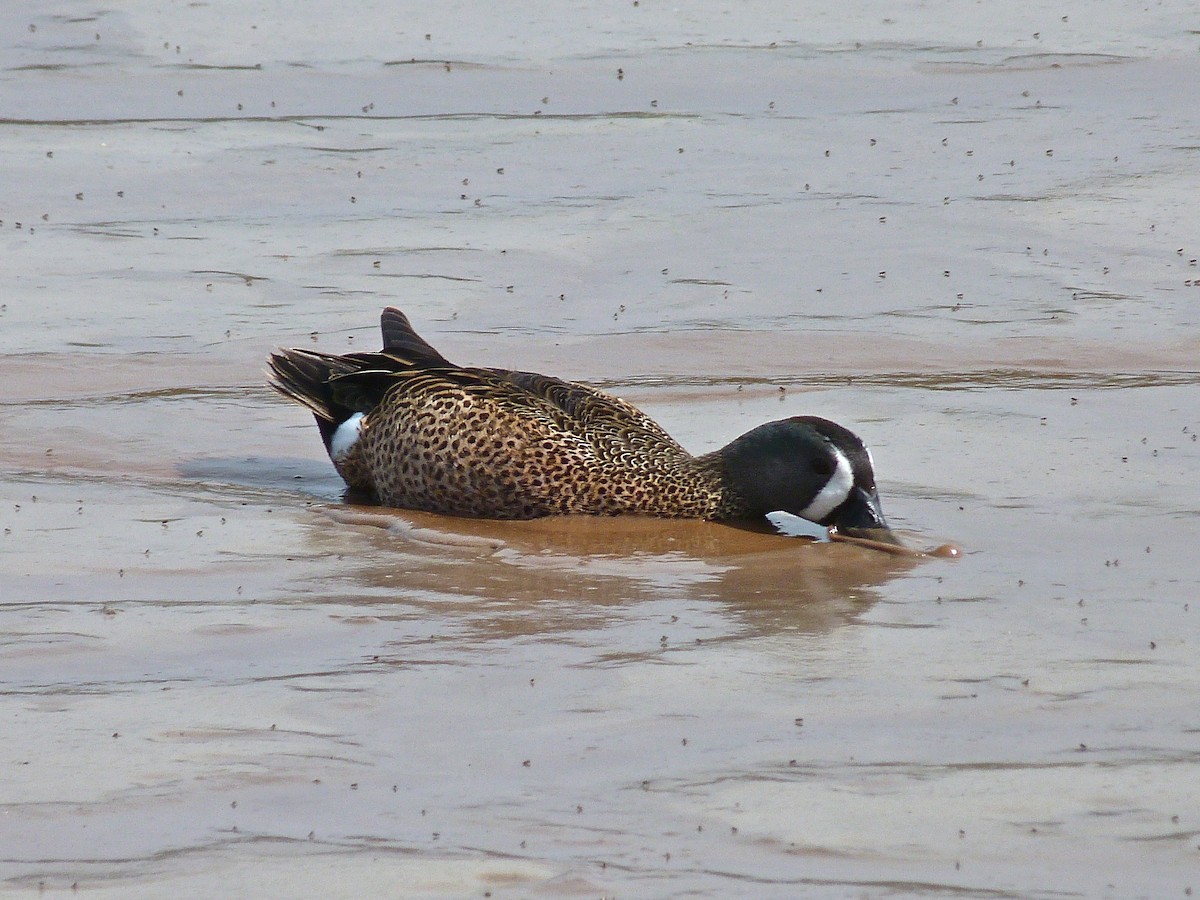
{"points": [[334, 388], [303, 376], [399, 337]]}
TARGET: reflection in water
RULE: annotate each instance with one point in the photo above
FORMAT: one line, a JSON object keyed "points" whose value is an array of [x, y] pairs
{"points": [[270, 473], [561, 574]]}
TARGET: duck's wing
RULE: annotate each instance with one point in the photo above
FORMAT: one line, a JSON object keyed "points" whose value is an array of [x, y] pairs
{"points": [[615, 429], [306, 376], [334, 387], [409, 364], [609, 423], [402, 341]]}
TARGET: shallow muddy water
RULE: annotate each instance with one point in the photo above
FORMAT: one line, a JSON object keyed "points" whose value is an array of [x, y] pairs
{"points": [[970, 235]]}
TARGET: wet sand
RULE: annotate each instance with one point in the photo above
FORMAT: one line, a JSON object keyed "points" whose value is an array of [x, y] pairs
{"points": [[972, 240]]}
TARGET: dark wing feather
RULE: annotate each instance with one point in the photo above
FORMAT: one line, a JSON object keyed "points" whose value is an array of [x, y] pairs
{"points": [[304, 375], [335, 386], [615, 428], [400, 338], [363, 390]]}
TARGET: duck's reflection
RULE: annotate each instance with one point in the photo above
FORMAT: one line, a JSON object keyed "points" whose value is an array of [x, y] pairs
{"points": [[561, 574]]}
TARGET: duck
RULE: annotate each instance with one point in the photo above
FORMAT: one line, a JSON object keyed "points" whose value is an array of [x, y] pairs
{"points": [[409, 429]]}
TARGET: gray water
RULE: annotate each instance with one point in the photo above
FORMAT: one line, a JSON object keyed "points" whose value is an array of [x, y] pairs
{"points": [[969, 233]]}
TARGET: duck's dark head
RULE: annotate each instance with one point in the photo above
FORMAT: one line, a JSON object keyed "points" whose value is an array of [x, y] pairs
{"points": [[812, 468]]}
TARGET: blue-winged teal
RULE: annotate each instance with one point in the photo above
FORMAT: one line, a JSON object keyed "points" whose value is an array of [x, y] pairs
{"points": [[416, 431]]}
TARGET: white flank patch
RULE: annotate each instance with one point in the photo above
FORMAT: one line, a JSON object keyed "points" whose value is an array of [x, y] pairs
{"points": [[345, 436], [835, 492]]}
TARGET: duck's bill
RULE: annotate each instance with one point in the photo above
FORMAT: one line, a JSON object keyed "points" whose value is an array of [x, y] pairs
{"points": [[861, 516], [793, 526]]}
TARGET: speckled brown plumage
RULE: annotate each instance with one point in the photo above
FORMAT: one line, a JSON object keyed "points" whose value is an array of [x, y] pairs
{"points": [[416, 431], [493, 442], [484, 444]]}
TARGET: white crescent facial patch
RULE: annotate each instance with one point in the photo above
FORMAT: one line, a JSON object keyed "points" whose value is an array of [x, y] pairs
{"points": [[835, 492]]}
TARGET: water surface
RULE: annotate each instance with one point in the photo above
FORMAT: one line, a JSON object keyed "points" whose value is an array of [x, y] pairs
{"points": [[968, 234]]}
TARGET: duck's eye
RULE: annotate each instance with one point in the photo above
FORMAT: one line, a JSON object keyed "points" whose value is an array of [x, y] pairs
{"points": [[822, 466]]}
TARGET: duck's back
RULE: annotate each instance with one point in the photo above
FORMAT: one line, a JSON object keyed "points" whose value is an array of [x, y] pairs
{"points": [[498, 443], [519, 445]]}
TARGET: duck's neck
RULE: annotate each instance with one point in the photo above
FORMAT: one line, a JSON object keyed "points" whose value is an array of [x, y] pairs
{"points": [[727, 503]]}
